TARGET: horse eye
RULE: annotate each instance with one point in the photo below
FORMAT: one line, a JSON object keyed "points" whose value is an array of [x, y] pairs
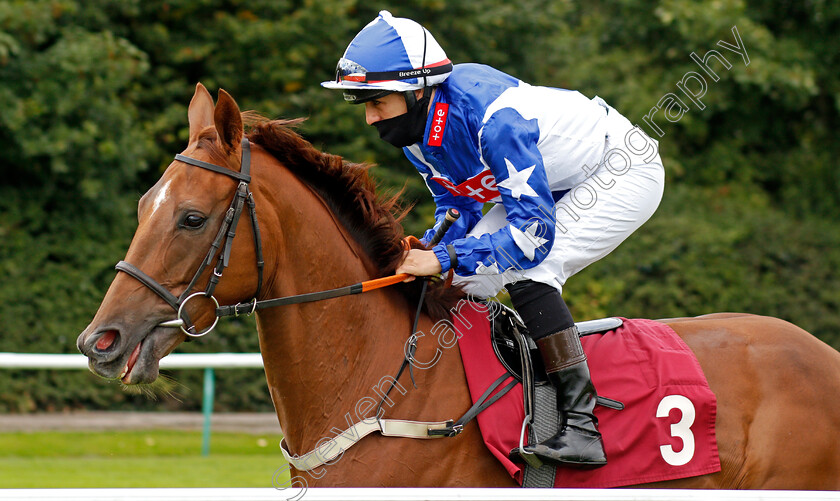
{"points": [[193, 221]]}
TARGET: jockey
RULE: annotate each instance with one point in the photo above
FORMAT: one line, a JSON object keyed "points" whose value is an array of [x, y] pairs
{"points": [[569, 176]]}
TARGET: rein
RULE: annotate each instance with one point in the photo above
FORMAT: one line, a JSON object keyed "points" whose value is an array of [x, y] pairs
{"points": [[452, 215], [252, 306]]}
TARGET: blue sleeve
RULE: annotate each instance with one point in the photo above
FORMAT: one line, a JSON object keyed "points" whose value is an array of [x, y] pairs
{"points": [[444, 200], [509, 148]]}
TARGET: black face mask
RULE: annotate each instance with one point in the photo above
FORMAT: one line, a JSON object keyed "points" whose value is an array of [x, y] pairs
{"points": [[408, 128]]}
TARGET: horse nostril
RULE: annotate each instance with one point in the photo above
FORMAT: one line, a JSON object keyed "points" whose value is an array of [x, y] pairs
{"points": [[107, 340]]}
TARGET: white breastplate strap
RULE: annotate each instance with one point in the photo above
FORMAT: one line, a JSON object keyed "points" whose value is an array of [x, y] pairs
{"points": [[329, 449]]}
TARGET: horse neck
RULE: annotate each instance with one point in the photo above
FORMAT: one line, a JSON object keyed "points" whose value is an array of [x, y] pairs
{"points": [[322, 358]]}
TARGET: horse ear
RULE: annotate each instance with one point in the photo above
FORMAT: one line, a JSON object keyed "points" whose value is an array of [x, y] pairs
{"points": [[200, 112], [228, 121]]}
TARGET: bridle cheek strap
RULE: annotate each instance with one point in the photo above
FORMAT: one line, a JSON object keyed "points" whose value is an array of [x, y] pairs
{"points": [[221, 245]]}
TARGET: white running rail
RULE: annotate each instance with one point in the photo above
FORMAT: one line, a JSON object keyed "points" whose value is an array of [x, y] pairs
{"points": [[172, 361]]}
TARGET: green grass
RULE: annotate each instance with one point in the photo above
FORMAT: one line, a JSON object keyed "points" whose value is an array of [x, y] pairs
{"points": [[137, 459]]}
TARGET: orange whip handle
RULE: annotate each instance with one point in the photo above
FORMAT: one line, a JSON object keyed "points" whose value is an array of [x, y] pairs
{"points": [[383, 282]]}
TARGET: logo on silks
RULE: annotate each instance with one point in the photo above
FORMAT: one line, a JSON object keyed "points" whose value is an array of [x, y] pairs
{"points": [[481, 187], [438, 124]]}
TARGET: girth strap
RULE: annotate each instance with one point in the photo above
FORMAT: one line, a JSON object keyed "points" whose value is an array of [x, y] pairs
{"points": [[332, 448], [482, 403]]}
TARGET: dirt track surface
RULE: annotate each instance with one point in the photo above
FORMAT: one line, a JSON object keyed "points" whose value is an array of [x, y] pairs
{"points": [[257, 423]]}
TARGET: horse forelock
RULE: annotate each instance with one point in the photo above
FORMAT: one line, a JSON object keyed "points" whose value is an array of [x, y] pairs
{"points": [[373, 219]]}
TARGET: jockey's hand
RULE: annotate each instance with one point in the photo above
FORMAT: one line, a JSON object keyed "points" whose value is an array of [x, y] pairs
{"points": [[419, 263]]}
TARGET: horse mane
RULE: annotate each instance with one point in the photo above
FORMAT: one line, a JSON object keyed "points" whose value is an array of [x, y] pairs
{"points": [[372, 218]]}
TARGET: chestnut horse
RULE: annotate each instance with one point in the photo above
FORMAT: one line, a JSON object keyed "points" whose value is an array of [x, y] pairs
{"points": [[322, 226]]}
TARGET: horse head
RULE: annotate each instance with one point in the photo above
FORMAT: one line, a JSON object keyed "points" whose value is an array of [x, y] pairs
{"points": [[178, 221]]}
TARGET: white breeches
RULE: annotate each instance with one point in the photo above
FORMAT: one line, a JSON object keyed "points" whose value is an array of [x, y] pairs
{"points": [[594, 217]]}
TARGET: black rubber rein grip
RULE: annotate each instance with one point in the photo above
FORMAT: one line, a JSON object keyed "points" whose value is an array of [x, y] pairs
{"points": [[452, 215]]}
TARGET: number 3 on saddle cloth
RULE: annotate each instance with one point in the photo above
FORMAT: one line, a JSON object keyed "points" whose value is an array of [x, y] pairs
{"points": [[665, 431]]}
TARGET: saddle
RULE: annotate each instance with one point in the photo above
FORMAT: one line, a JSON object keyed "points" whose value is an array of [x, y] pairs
{"points": [[519, 354], [520, 357]]}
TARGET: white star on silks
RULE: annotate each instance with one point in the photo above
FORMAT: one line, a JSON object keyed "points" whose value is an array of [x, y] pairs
{"points": [[483, 269], [517, 181], [528, 241]]}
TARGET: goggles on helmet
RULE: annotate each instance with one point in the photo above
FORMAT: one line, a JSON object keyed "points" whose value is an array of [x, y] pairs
{"points": [[349, 71], [359, 96]]}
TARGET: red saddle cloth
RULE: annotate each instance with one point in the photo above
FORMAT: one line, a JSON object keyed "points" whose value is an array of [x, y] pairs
{"points": [[666, 431]]}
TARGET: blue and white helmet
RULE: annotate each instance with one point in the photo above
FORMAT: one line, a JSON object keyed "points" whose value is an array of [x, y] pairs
{"points": [[390, 54]]}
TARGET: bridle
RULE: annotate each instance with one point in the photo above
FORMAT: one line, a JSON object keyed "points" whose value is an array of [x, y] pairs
{"points": [[227, 231]]}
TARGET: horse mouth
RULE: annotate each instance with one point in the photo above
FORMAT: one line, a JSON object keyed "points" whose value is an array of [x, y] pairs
{"points": [[138, 366], [125, 375]]}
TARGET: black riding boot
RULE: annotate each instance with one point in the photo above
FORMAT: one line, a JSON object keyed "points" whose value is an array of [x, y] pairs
{"points": [[550, 324], [578, 442]]}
